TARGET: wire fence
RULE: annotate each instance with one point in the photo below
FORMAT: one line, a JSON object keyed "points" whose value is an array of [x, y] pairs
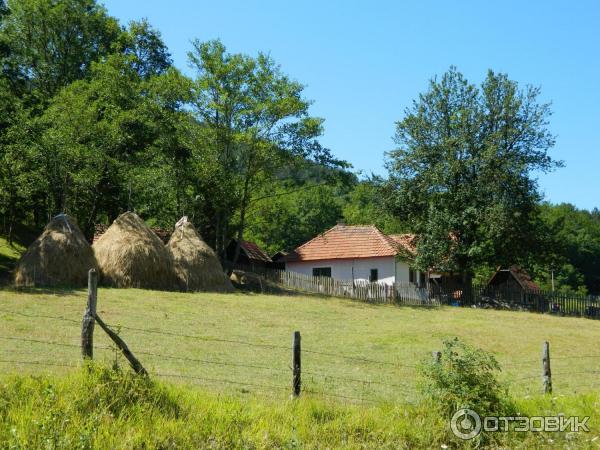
{"points": [[336, 375]]}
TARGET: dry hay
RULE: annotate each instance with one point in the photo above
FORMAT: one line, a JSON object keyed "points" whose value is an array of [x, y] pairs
{"points": [[130, 254], [196, 264], [60, 256]]}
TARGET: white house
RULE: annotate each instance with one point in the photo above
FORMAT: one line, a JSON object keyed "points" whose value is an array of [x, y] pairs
{"points": [[357, 253]]}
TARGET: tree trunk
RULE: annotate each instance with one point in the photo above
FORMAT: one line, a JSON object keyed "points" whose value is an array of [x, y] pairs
{"points": [[467, 286], [240, 233]]}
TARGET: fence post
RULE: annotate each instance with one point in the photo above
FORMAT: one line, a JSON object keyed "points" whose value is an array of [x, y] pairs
{"points": [[296, 364], [547, 374], [133, 361], [437, 357], [87, 325]]}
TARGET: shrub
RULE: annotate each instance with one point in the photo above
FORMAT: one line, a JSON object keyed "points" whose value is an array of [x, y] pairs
{"points": [[464, 377]]}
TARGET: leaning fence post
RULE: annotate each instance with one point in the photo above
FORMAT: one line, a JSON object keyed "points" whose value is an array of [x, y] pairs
{"points": [[87, 326], [296, 365], [133, 361], [547, 374]]}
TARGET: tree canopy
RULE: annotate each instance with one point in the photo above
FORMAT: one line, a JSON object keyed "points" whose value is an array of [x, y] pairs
{"points": [[95, 120], [461, 176]]}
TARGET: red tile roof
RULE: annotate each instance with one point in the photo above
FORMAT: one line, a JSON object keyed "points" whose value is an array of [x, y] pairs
{"points": [[253, 251], [347, 242], [406, 242]]}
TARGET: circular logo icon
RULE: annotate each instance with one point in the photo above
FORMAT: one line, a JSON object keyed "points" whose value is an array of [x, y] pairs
{"points": [[465, 424]]}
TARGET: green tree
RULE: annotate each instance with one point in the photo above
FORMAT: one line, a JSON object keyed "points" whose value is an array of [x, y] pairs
{"points": [[255, 121], [461, 175], [576, 247], [365, 205], [288, 215], [53, 43], [150, 55], [109, 141]]}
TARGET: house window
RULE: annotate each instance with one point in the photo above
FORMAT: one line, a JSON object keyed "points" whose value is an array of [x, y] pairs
{"points": [[411, 276], [322, 272], [373, 276], [421, 279]]}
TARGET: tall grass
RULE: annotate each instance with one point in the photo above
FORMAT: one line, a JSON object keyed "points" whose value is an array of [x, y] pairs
{"points": [[99, 407]]}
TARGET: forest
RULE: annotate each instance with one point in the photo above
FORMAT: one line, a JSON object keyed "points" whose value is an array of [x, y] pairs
{"points": [[95, 120]]}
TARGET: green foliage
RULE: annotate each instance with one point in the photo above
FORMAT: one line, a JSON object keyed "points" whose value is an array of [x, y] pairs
{"points": [[465, 377], [94, 120], [288, 216], [100, 408], [365, 205], [53, 43], [461, 173], [576, 248], [255, 122]]}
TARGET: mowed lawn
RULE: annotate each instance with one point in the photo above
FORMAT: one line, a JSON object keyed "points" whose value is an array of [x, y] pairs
{"points": [[241, 343]]}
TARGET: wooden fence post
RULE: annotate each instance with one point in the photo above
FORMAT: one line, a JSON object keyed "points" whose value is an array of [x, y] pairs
{"points": [[133, 361], [87, 326], [547, 374], [437, 357], [296, 364]]}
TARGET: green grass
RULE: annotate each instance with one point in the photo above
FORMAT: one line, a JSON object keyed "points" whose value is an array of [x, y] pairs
{"points": [[399, 337], [378, 396], [9, 255], [98, 408]]}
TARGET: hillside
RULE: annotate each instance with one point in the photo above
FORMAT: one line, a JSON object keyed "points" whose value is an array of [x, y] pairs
{"points": [[226, 356], [379, 345]]}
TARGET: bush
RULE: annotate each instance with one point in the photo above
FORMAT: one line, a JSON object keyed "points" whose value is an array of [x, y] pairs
{"points": [[465, 377]]}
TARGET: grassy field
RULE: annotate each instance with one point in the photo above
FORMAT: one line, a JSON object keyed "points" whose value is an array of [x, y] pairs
{"points": [[355, 355], [256, 330]]}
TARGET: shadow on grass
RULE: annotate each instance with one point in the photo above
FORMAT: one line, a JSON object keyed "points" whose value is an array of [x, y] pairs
{"points": [[59, 291]]}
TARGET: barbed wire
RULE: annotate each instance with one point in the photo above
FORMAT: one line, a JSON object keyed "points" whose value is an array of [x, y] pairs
{"points": [[358, 358], [529, 377], [520, 363], [346, 397], [575, 357], [218, 380], [38, 316], [356, 380], [197, 337], [583, 372], [207, 361], [61, 344], [45, 363]]}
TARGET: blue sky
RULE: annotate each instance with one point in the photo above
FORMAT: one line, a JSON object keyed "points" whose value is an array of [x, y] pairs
{"points": [[364, 62]]}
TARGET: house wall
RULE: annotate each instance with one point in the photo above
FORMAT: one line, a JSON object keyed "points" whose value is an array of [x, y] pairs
{"points": [[402, 271], [343, 269]]}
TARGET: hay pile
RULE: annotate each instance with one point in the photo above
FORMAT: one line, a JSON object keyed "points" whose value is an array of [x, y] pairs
{"points": [[61, 256], [130, 254], [196, 265]]}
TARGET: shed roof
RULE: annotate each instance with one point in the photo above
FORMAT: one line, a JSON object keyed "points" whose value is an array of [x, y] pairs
{"points": [[520, 275], [254, 252]]}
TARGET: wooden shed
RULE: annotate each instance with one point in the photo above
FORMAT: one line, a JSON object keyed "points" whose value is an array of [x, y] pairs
{"points": [[515, 278], [251, 255]]}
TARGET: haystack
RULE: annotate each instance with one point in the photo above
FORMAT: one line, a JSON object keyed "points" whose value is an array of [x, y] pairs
{"points": [[61, 256], [130, 254], [196, 264]]}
